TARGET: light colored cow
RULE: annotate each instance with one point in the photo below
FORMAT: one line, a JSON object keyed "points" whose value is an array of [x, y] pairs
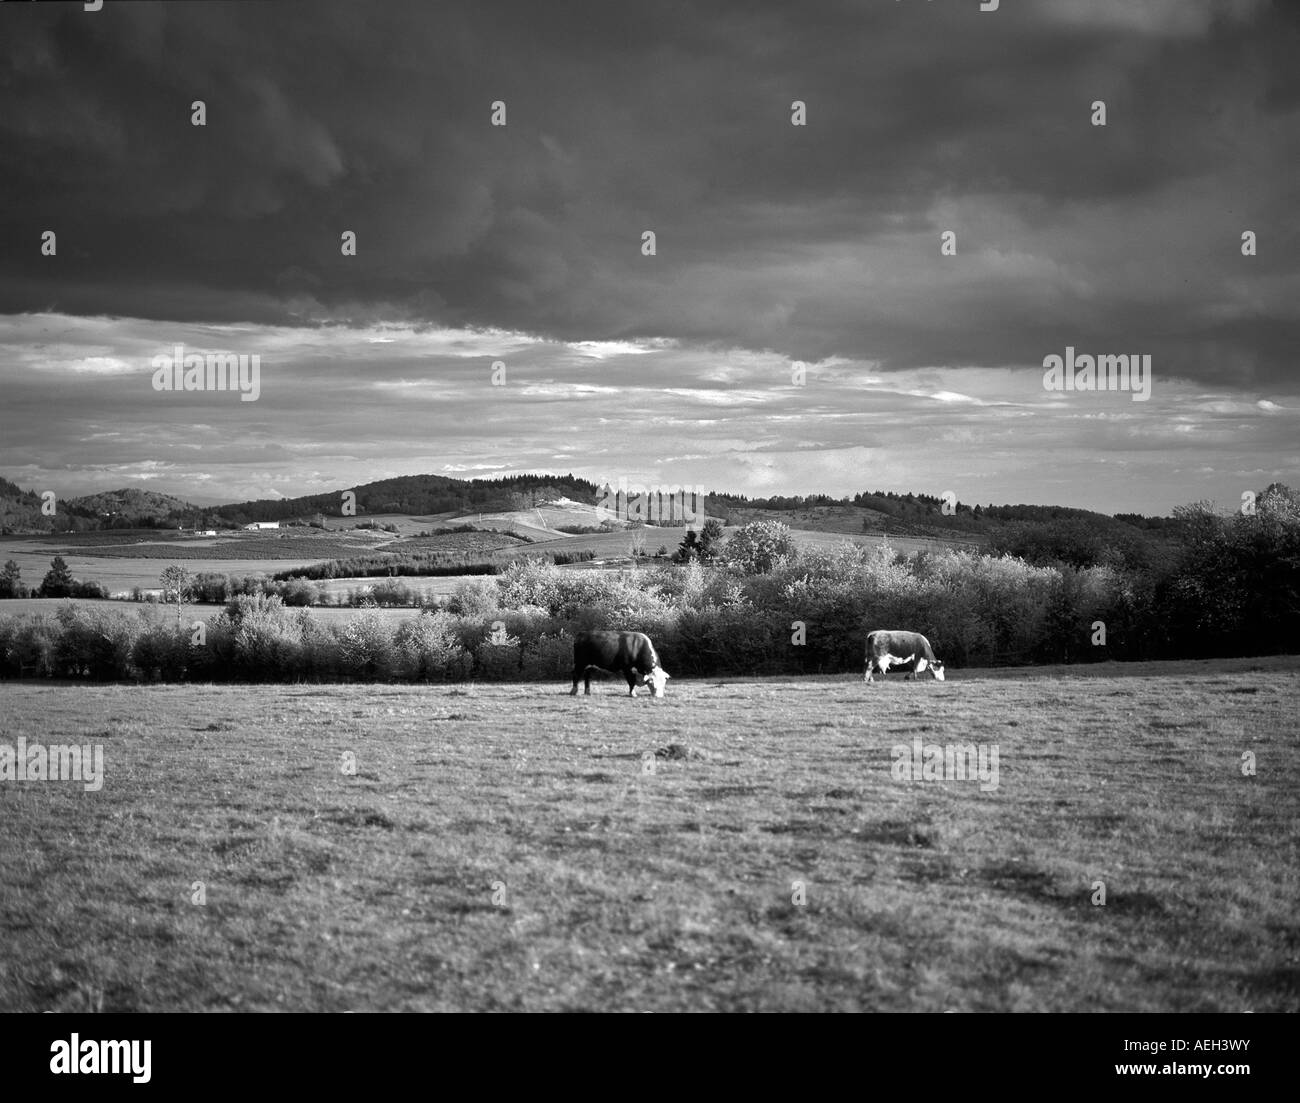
{"points": [[886, 648]]}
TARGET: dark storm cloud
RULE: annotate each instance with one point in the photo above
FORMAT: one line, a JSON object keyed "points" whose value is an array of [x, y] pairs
{"points": [[815, 242]]}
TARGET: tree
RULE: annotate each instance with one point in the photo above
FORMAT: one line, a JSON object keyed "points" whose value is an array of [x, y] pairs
{"points": [[759, 546], [1237, 581], [710, 539], [701, 544], [11, 583], [58, 581], [176, 582]]}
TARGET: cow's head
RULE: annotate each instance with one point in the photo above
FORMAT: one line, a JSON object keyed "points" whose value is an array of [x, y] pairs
{"points": [[655, 680], [937, 667]]}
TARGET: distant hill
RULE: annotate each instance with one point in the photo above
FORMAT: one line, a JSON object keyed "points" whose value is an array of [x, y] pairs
{"points": [[420, 494], [131, 507], [21, 512], [543, 506], [907, 514]]}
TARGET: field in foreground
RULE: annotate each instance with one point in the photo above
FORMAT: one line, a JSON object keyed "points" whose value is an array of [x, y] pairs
{"points": [[663, 883]]}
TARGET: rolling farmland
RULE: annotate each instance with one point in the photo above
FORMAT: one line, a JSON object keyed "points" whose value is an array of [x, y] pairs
{"points": [[121, 561]]}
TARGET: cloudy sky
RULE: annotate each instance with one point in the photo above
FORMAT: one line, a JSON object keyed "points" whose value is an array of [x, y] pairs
{"points": [[799, 328]]}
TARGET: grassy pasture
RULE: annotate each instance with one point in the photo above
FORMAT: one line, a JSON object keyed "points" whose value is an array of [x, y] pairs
{"points": [[663, 890]]}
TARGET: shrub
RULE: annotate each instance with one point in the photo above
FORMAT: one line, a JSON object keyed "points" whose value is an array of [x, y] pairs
{"points": [[527, 624], [298, 592], [474, 599], [267, 639], [216, 660], [561, 557], [94, 643], [525, 581], [758, 547], [210, 586], [162, 652], [392, 592], [321, 654], [498, 662], [32, 647], [731, 640], [366, 647], [8, 632], [428, 648], [547, 658]]}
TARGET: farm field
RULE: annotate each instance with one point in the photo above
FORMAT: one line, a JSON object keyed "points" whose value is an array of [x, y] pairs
{"points": [[293, 543], [26, 606], [848, 521], [121, 575], [663, 883], [120, 564], [121, 561]]}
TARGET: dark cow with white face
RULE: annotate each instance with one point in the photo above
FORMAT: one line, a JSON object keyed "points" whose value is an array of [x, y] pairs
{"points": [[888, 648], [628, 653]]}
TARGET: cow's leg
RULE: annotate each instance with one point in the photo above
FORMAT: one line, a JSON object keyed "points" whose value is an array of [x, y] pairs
{"points": [[587, 681], [631, 683], [576, 675], [870, 665]]}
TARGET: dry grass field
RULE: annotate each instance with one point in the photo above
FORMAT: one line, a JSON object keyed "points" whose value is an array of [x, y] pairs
{"points": [[738, 845]]}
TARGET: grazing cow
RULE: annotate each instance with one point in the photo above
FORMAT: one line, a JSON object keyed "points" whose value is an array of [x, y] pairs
{"points": [[628, 653], [886, 649]]}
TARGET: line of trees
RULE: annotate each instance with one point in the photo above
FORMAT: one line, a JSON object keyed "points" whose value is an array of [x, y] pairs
{"points": [[394, 564], [760, 606], [58, 582]]}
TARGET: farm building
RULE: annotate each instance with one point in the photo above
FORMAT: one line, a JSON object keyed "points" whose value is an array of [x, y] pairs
{"points": [[257, 525]]}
